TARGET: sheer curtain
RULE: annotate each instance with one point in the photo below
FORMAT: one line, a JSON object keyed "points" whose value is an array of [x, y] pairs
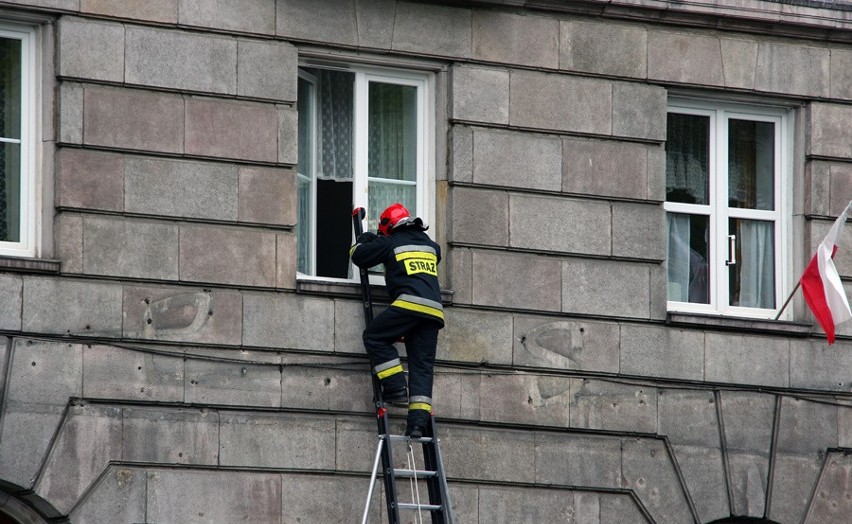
{"points": [[687, 265], [752, 280]]}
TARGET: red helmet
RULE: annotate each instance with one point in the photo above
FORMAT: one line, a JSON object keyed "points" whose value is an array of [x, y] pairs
{"points": [[391, 217]]}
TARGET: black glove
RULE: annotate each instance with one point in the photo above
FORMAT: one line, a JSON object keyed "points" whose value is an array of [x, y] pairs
{"points": [[366, 236]]}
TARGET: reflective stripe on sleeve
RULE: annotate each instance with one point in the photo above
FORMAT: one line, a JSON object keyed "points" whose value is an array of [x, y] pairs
{"points": [[420, 405]]}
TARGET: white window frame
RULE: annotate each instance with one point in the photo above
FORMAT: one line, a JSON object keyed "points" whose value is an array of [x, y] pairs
{"points": [[425, 164], [30, 205], [719, 211]]}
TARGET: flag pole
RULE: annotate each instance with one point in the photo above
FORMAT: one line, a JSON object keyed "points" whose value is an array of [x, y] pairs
{"points": [[798, 284]]}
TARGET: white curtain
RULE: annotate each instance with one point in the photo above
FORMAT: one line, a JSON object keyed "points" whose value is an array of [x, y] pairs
{"points": [[753, 276], [688, 272]]}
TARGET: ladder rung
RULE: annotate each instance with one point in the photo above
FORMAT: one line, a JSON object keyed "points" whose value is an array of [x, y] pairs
{"points": [[410, 473], [427, 507], [403, 438]]}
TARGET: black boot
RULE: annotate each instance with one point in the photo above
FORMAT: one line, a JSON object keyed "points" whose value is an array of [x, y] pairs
{"points": [[418, 422], [394, 390]]}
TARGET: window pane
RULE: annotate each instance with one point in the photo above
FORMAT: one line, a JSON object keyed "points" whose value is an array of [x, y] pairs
{"points": [[10, 192], [383, 194], [751, 164], [392, 132], [687, 158], [336, 108], [688, 258], [752, 278], [10, 88]]}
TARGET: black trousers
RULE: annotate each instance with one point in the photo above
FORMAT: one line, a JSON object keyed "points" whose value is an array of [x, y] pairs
{"points": [[421, 339]]}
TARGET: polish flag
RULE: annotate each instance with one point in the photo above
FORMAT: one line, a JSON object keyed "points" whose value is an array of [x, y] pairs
{"points": [[821, 283]]}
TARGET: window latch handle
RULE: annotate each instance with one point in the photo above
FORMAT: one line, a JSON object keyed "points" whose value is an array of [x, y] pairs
{"points": [[732, 250]]}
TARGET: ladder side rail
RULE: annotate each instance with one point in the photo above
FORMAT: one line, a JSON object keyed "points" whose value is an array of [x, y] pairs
{"points": [[438, 491]]}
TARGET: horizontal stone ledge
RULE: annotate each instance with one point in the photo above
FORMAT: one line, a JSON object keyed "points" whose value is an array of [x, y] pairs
{"points": [[780, 327], [29, 265], [554, 132], [80, 211], [239, 162], [556, 254], [175, 91], [824, 158], [533, 191], [329, 288]]}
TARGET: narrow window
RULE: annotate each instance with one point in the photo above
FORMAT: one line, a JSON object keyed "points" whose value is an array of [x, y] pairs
{"points": [[362, 143], [725, 209]]}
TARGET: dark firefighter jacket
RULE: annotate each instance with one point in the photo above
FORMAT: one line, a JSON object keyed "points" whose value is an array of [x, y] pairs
{"points": [[411, 269]]}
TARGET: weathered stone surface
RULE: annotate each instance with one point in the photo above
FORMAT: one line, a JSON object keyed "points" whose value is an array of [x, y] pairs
{"points": [[89, 438], [461, 154], [90, 179], [568, 223], [240, 130], [606, 48], [620, 508], [815, 365], [647, 470], [180, 60], [460, 263], [510, 38], [513, 159], [91, 50], [525, 399], [433, 30], [476, 336], [130, 248], [192, 436], [312, 498], [266, 70], [748, 474], [288, 135], [457, 395], [574, 460], [499, 455], [228, 256], [276, 441], [150, 10], [638, 111], [268, 319], [348, 327], [42, 377], [828, 130], [227, 496], [638, 231], [360, 448], [234, 382], [748, 419], [307, 384], [587, 507], [597, 404], [605, 168], [180, 189], [69, 251], [840, 188], [793, 483], [689, 418], [817, 183], [588, 288], [739, 62], [492, 288], [841, 73], [685, 58], [250, 16], [561, 102], [12, 298], [831, 501], [479, 216], [793, 69], [745, 359], [118, 373], [564, 344], [704, 476], [480, 94], [501, 504], [70, 113], [331, 21], [662, 352], [67, 306], [132, 119], [118, 496], [375, 22], [806, 427], [183, 315], [285, 264]]}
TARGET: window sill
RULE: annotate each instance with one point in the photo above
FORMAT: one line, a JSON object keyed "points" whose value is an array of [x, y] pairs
{"points": [[29, 265], [778, 327], [353, 290]]}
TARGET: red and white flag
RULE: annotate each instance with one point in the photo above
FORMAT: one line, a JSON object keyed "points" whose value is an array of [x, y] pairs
{"points": [[821, 283]]}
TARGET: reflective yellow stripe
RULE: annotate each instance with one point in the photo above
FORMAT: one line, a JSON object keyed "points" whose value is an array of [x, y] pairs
{"points": [[352, 250], [420, 405], [390, 371], [417, 254], [411, 306]]}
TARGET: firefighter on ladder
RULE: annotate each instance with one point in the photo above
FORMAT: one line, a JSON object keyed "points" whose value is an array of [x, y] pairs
{"points": [[411, 262]]}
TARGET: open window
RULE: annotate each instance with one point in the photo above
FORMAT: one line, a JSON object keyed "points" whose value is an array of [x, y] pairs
{"points": [[19, 208], [727, 209], [363, 142]]}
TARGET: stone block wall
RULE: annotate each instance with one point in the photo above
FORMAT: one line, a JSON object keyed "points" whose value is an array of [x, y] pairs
{"points": [[175, 368]]}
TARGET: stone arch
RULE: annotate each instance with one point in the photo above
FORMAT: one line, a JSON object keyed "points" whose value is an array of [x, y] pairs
{"points": [[22, 506]]}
